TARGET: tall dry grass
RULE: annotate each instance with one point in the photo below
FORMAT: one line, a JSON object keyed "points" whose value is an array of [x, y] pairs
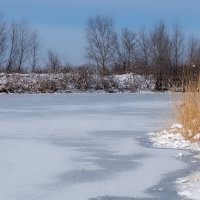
{"points": [[187, 107]]}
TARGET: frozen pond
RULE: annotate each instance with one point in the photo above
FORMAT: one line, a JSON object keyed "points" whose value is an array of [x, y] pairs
{"points": [[84, 146]]}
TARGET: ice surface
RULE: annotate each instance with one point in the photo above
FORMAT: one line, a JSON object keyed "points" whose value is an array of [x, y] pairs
{"points": [[81, 146], [189, 186]]}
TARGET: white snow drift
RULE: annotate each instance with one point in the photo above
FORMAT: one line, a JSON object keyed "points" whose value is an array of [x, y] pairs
{"points": [[188, 186]]}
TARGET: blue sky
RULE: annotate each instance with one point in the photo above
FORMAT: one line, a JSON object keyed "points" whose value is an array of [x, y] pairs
{"points": [[62, 23]]}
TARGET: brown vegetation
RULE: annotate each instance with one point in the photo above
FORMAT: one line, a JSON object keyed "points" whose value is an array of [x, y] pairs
{"points": [[187, 106]]}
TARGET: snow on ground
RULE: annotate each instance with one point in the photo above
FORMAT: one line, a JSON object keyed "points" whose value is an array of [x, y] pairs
{"points": [[137, 82], [172, 138], [188, 186], [74, 82]]}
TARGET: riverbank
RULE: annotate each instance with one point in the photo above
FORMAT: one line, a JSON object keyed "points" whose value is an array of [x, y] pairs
{"points": [[74, 83]]}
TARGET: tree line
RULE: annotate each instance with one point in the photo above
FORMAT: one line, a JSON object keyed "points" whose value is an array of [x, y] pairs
{"points": [[19, 46], [165, 54], [20, 49], [161, 52]]}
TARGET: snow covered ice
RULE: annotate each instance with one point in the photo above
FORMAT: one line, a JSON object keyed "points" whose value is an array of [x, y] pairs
{"points": [[189, 186], [82, 146]]}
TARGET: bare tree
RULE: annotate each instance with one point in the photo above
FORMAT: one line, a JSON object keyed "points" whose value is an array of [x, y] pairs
{"points": [[144, 49], [193, 57], [34, 50], [101, 41], [178, 45], [127, 49], [53, 60], [161, 54], [192, 50], [3, 40], [24, 45], [13, 49]]}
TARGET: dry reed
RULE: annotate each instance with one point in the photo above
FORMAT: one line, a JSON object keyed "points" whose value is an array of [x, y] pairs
{"points": [[187, 108]]}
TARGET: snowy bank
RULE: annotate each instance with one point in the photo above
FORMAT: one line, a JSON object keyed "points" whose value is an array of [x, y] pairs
{"points": [[188, 186], [172, 138], [74, 82]]}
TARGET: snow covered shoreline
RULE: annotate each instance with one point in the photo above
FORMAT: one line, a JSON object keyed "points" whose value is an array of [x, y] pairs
{"points": [[188, 186], [74, 83]]}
